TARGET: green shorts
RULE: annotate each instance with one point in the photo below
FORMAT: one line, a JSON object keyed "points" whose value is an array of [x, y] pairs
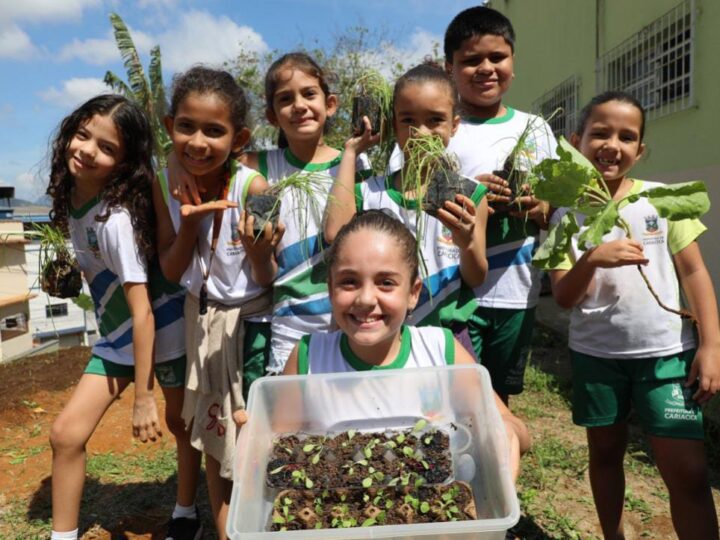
{"points": [[170, 374], [256, 351], [605, 389], [501, 339]]}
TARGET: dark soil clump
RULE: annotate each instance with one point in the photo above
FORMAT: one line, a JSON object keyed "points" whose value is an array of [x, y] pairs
{"points": [[61, 278], [263, 208]]}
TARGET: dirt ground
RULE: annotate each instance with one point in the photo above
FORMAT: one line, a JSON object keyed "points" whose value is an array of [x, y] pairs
{"points": [[554, 487], [32, 393]]}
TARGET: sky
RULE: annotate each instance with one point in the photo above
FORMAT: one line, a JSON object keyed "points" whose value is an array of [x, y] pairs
{"points": [[54, 53]]}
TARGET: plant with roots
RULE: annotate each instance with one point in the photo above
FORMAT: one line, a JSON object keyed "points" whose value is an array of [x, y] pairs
{"points": [[573, 182], [310, 193], [373, 97], [429, 178]]}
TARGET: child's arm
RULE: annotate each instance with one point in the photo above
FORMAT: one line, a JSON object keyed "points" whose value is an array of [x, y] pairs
{"points": [[145, 417], [517, 432], [467, 223], [175, 251], [341, 203], [181, 184], [291, 366], [698, 287], [260, 250], [570, 286]]}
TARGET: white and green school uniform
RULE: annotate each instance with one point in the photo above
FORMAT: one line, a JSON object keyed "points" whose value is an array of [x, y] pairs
{"points": [[619, 318], [425, 346], [366, 399], [481, 147], [109, 257], [222, 357], [626, 350], [301, 304], [501, 327], [440, 301], [230, 281]]}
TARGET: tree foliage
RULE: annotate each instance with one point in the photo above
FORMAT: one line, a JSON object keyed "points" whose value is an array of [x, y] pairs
{"points": [[146, 90]]}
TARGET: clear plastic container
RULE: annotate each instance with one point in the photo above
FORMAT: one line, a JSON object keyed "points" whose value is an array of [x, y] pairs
{"points": [[457, 398]]}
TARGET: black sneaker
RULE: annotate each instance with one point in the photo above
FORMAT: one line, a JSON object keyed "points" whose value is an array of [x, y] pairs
{"points": [[184, 529]]}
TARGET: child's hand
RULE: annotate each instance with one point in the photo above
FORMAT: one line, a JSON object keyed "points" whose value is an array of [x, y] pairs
{"points": [[459, 217], [181, 184], [240, 417], [498, 189], [193, 214], [361, 143], [705, 370], [145, 418], [528, 207], [617, 253], [262, 247]]}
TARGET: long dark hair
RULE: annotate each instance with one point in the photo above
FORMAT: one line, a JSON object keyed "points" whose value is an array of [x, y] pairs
{"points": [[130, 183]]}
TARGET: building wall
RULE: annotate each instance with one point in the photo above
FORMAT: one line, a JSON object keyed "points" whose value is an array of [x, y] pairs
{"points": [[13, 290], [681, 145]]}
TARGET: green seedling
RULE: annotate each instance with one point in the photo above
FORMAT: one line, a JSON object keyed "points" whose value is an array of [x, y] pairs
{"points": [[299, 477], [285, 516], [419, 425], [572, 181]]}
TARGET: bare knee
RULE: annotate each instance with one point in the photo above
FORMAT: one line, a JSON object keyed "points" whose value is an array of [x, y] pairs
{"points": [[65, 437], [175, 424], [607, 445]]}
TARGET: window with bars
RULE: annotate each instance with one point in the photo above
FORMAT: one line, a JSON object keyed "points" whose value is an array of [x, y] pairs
{"points": [[56, 310], [559, 106], [656, 64]]}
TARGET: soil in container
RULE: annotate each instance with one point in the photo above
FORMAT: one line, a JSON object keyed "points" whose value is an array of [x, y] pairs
{"points": [[301, 509]]}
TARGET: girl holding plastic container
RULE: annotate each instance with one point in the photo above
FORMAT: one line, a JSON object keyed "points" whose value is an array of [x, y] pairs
{"points": [[374, 283], [210, 248]]}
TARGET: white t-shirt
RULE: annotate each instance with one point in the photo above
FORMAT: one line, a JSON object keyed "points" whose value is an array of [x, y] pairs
{"points": [[618, 317], [301, 304], [440, 302], [109, 257], [230, 280], [482, 146]]}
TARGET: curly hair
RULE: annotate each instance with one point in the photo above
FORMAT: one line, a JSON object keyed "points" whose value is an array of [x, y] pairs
{"points": [[130, 183]]}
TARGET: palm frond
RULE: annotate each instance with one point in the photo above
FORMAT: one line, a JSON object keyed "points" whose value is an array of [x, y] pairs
{"points": [[118, 85], [133, 66], [157, 87]]}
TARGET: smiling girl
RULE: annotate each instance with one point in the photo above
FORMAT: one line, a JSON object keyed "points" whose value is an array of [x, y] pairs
{"points": [[210, 249], [453, 243], [374, 282], [628, 353]]}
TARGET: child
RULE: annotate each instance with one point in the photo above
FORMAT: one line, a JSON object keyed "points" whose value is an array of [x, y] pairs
{"points": [[100, 184], [453, 244], [479, 48], [373, 282], [627, 351], [210, 248], [299, 102]]}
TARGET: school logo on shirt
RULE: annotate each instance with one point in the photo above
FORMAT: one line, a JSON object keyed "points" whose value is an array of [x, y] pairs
{"points": [[445, 236], [651, 225], [234, 246], [92, 241]]}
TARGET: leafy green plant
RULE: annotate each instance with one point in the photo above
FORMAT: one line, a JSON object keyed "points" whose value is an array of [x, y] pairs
{"points": [[283, 516], [572, 181], [147, 91]]}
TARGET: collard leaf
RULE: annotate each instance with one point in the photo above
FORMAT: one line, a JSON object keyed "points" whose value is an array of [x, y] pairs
{"points": [[552, 251], [599, 225], [688, 200], [84, 302], [565, 181]]}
